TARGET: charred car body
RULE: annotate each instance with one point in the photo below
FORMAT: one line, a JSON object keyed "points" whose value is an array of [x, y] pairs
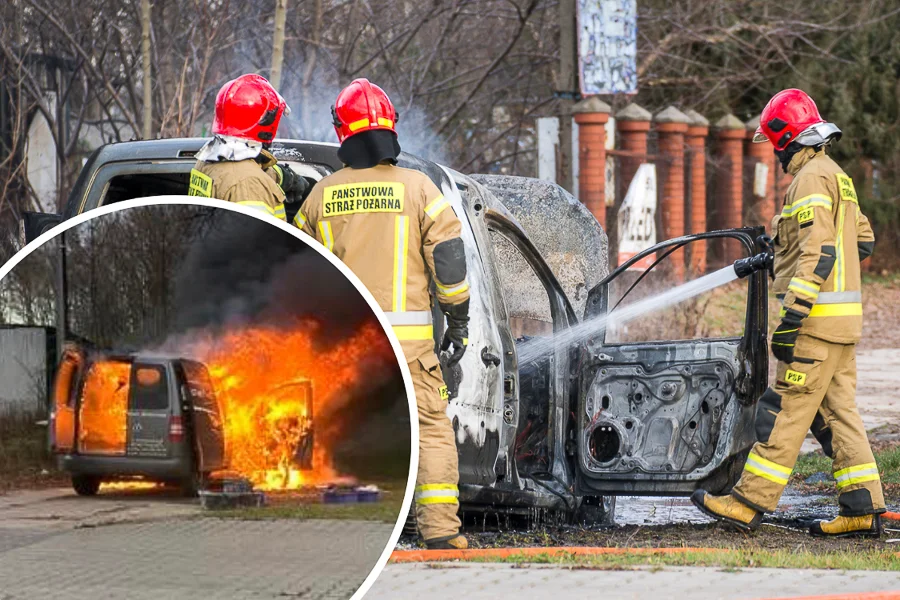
{"points": [[118, 417], [589, 420]]}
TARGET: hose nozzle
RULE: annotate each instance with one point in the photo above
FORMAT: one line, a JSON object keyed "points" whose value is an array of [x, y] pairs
{"points": [[747, 266]]}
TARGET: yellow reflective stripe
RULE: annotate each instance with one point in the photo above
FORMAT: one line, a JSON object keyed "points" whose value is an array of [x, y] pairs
{"points": [[407, 333], [811, 201], [357, 125], [280, 173], [401, 250], [413, 317], [449, 292], [327, 235], [261, 206], [436, 486], [860, 479], [839, 297], [840, 278], [767, 469], [439, 500], [385, 122], [765, 474], [855, 469], [437, 493], [300, 219], [849, 309], [809, 289], [856, 474], [436, 207], [279, 212]]}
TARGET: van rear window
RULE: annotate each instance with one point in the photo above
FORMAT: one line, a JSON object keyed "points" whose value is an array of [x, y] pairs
{"points": [[149, 390]]}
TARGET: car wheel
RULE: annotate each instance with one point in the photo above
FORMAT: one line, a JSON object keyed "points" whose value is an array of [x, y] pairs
{"points": [[410, 528], [193, 484], [86, 485]]}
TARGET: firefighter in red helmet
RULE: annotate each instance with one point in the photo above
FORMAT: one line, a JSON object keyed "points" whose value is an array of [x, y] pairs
{"points": [[821, 235], [395, 229], [237, 165]]}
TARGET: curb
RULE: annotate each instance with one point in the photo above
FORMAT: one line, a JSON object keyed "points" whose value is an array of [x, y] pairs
{"points": [[413, 556], [852, 596]]}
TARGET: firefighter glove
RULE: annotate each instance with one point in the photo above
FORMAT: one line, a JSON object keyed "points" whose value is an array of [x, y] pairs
{"points": [[785, 337], [457, 333], [767, 245], [294, 186], [751, 264]]}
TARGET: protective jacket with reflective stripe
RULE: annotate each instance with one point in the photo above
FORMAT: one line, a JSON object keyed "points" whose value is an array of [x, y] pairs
{"points": [[396, 231], [820, 237], [245, 182]]}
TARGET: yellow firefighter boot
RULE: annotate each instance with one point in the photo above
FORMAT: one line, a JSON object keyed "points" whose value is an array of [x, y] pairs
{"points": [[727, 509], [457, 542], [864, 526]]}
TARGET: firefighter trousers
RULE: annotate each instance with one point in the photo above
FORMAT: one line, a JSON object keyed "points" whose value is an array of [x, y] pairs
{"points": [[437, 494], [821, 380]]}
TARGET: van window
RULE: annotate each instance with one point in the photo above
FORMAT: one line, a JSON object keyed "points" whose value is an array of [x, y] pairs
{"points": [[150, 387]]}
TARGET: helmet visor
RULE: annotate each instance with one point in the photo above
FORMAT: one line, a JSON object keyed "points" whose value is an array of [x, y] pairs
{"points": [[759, 137]]}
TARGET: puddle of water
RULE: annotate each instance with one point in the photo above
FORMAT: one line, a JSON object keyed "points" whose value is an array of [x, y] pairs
{"points": [[666, 510], [657, 510]]}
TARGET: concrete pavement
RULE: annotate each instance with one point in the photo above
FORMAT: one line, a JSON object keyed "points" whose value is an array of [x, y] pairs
{"points": [[451, 581], [54, 545]]}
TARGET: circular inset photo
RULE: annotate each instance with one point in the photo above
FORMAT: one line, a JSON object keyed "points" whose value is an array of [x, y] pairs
{"points": [[196, 402]]}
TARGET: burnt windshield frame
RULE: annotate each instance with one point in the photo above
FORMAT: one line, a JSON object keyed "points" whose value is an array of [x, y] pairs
{"points": [[598, 297]]}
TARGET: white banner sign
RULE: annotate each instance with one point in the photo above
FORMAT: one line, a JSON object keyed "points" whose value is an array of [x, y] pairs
{"points": [[637, 217]]}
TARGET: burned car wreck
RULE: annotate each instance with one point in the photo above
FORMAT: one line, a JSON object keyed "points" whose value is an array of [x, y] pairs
{"points": [[587, 421]]}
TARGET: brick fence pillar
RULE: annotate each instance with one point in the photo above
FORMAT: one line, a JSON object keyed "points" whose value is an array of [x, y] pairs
{"points": [[672, 124], [762, 208], [695, 138], [730, 134], [591, 116], [632, 123]]}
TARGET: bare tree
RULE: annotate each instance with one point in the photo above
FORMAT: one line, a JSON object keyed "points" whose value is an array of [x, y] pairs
{"points": [[278, 42], [147, 129]]}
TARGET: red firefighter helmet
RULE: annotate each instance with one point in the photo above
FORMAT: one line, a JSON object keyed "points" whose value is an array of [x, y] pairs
{"points": [[792, 116], [362, 106], [249, 107]]}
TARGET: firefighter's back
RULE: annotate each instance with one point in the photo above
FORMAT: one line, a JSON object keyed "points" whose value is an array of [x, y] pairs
{"points": [[372, 220]]}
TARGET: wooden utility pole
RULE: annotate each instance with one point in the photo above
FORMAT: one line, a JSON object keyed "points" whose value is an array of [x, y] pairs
{"points": [[147, 131], [566, 86], [62, 296], [278, 43]]}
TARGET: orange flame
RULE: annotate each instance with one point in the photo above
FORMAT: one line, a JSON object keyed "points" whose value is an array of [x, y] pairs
{"points": [[104, 409], [264, 378]]}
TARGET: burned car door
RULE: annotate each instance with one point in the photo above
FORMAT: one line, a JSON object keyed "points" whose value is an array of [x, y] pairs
{"points": [[206, 419], [62, 429], [667, 401]]}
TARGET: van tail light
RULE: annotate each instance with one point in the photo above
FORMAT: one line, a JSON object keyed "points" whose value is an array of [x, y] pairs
{"points": [[176, 429]]}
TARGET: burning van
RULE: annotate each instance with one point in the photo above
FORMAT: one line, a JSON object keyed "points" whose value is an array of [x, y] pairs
{"points": [[121, 417]]}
